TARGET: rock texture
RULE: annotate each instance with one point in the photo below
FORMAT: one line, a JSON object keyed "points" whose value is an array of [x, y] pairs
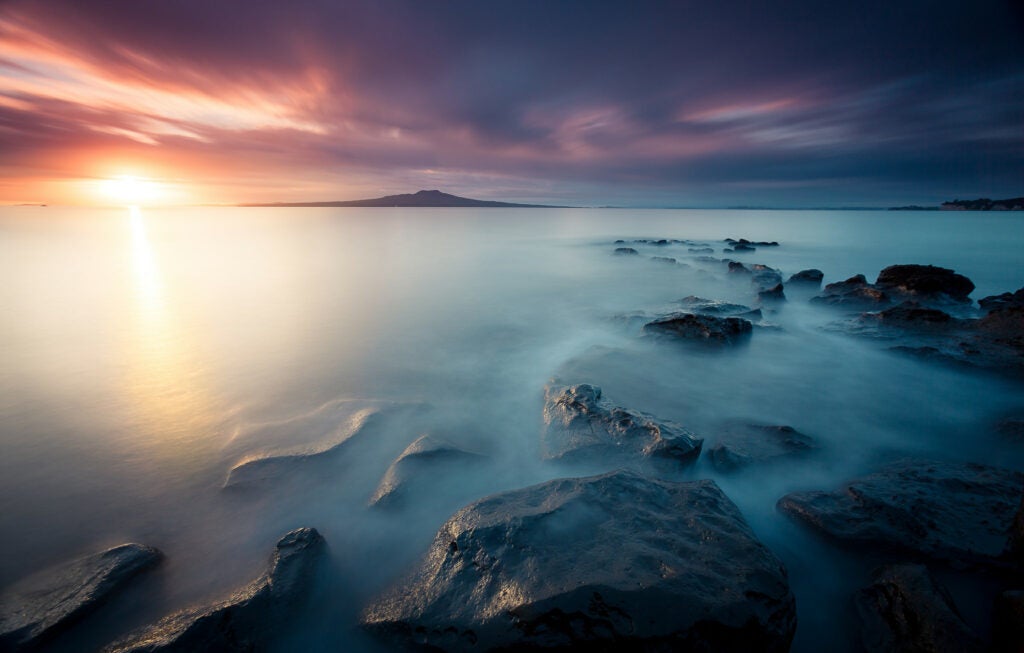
{"points": [[741, 445], [612, 562], [925, 281], [905, 610], [958, 513], [807, 278], [413, 470], [246, 621], [708, 329], [40, 606], [579, 424]]}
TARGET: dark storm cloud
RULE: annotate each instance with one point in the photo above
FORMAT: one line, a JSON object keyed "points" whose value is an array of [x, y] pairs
{"points": [[687, 98]]}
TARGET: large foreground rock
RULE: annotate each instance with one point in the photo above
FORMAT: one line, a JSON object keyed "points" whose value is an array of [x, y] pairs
{"points": [[905, 610], [250, 618], [581, 425], [741, 445], [418, 468], [40, 606], [959, 513], [707, 329], [607, 563]]}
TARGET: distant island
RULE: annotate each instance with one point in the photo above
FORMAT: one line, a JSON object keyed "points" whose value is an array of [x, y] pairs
{"points": [[981, 204], [423, 198]]}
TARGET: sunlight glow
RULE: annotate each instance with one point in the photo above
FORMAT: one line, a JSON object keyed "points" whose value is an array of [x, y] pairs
{"points": [[133, 191]]}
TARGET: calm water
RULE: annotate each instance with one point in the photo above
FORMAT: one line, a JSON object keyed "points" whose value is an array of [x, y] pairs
{"points": [[146, 352]]}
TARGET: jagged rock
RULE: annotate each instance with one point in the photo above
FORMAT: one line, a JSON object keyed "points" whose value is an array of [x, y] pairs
{"points": [[905, 610], [249, 619], [959, 513], [1006, 300], [626, 251], [855, 293], [735, 267], [417, 466], [702, 328], [1008, 622], [611, 562], [741, 445], [580, 424], [807, 278], [40, 606], [927, 281]]}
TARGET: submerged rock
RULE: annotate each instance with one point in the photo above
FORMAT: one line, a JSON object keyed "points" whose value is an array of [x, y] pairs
{"points": [[701, 250], [42, 605], [741, 445], [664, 259], [807, 278], [959, 513], [702, 328], [248, 620], [626, 251], [580, 424], [925, 281], [703, 306], [611, 562], [417, 466], [905, 609]]}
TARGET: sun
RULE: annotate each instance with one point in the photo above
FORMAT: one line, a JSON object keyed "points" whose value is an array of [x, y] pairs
{"points": [[131, 190]]}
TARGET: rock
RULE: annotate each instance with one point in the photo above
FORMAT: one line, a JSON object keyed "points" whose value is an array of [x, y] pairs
{"points": [[735, 267], [1003, 301], [701, 250], [611, 562], [740, 247], [926, 281], [807, 278], [416, 467], [702, 328], [626, 251], [40, 606], [250, 618], [744, 241], [958, 513], [905, 609], [854, 293], [746, 444], [774, 294], [763, 277], [1008, 622], [912, 315], [580, 424], [695, 304], [664, 259]]}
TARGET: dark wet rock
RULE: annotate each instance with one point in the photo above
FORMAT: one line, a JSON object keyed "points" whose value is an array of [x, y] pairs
{"points": [[854, 293], [626, 251], [249, 619], [664, 259], [695, 304], [1006, 300], [708, 329], [701, 250], [612, 562], [905, 610], [735, 267], [744, 241], [620, 242], [741, 445], [417, 469], [739, 248], [912, 315], [660, 243], [1008, 622], [579, 424], [44, 604], [958, 513], [807, 278], [925, 281], [774, 294]]}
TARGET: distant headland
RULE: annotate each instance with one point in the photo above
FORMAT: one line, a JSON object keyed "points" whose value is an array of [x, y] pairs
{"points": [[981, 204], [423, 198]]}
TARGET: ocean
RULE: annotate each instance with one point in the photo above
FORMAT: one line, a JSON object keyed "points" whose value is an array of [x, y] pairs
{"points": [[148, 351]]}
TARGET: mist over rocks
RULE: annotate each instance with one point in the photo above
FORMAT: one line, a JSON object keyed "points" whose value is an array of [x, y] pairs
{"points": [[580, 424], [42, 605], [741, 445], [248, 620], [906, 609], [425, 463], [811, 278], [705, 329], [611, 562], [955, 513]]}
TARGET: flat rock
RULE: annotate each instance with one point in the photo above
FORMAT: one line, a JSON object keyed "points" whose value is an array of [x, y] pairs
{"points": [[580, 424], [250, 618], [708, 329], [957, 513], [925, 281], [43, 604], [742, 445], [418, 467], [612, 562], [905, 610], [694, 304], [807, 278]]}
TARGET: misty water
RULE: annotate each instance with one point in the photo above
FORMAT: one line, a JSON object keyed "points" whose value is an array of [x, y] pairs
{"points": [[146, 352]]}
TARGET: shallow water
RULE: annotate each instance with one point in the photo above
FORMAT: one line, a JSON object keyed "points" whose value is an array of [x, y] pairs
{"points": [[147, 352]]}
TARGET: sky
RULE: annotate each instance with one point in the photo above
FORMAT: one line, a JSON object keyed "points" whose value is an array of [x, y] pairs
{"points": [[585, 103]]}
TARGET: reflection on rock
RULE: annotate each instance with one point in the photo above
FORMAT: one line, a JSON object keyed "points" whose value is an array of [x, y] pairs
{"points": [[418, 468]]}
